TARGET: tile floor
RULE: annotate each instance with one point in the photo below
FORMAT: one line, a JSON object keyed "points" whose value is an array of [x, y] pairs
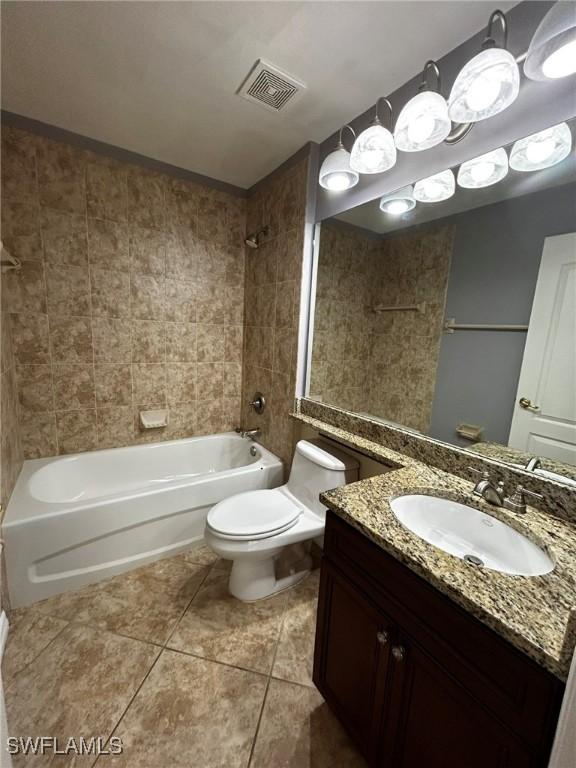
{"points": [[187, 676]]}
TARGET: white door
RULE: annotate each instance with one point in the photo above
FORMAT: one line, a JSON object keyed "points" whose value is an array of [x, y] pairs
{"points": [[544, 420]]}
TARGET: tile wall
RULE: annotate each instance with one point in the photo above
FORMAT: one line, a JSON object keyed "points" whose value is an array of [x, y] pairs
{"points": [[131, 297], [273, 280], [380, 363], [10, 446]]}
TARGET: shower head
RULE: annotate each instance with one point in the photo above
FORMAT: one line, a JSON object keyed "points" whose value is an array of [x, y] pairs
{"points": [[253, 240]]}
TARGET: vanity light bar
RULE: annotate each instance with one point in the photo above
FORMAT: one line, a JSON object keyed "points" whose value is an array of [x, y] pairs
{"points": [[485, 86]]}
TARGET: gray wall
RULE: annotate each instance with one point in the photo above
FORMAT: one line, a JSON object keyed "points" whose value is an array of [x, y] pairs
{"points": [[495, 262]]}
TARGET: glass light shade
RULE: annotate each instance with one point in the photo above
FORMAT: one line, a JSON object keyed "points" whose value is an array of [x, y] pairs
{"points": [[399, 202], [541, 150], [435, 188], [485, 86], [335, 172], [423, 123], [552, 51], [374, 150], [483, 171]]}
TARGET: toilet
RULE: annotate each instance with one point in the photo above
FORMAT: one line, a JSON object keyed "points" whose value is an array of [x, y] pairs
{"points": [[252, 529]]}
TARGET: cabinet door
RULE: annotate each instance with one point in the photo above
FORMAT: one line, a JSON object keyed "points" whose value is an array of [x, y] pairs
{"points": [[433, 721], [351, 658]]}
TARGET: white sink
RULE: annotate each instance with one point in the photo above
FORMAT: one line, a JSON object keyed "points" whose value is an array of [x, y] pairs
{"points": [[471, 535]]}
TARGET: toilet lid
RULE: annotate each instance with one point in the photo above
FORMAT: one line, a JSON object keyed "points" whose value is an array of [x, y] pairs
{"points": [[254, 513]]}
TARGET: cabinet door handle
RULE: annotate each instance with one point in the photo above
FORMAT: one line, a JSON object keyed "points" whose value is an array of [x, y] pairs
{"points": [[398, 652], [382, 637]]}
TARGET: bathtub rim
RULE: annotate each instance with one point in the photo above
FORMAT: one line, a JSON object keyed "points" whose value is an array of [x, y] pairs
{"points": [[25, 508]]}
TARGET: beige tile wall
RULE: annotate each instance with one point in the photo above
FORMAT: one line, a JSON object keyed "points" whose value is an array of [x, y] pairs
{"points": [[405, 345], [10, 446], [383, 364], [131, 297], [343, 322], [273, 279]]}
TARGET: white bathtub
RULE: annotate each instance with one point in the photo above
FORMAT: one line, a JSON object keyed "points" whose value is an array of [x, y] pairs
{"points": [[75, 520]]}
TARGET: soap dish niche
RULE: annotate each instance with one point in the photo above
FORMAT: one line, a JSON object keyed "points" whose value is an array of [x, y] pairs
{"points": [[154, 419]]}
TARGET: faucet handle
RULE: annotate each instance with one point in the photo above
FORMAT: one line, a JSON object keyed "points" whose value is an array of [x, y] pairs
{"points": [[484, 473], [517, 502]]}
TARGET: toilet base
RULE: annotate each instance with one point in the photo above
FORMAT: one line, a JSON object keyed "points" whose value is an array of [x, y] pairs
{"points": [[252, 580]]}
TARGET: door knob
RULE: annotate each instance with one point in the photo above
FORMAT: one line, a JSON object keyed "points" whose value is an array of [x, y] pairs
{"points": [[382, 637], [527, 404], [398, 652]]}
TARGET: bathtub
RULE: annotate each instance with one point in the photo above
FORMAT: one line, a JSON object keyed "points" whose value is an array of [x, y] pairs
{"points": [[78, 519]]}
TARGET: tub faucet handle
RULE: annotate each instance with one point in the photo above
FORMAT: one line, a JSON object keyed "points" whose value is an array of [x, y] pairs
{"points": [[258, 402]]}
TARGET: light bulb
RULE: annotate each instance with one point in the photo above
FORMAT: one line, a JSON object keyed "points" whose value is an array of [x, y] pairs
{"points": [[485, 86], [539, 151], [397, 206], [482, 93], [561, 63], [542, 149], [373, 151], [552, 50], [436, 188], [423, 122], [336, 174], [483, 171], [421, 129], [399, 202], [337, 182]]}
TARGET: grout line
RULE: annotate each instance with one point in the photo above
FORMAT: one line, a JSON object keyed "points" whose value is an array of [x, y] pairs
{"points": [[220, 663], [136, 692], [37, 656], [177, 624], [277, 643]]}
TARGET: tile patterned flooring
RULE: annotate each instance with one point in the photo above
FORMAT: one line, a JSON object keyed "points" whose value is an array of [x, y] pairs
{"points": [[165, 659]]}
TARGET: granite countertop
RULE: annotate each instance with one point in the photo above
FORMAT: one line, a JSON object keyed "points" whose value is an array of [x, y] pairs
{"points": [[536, 614]]}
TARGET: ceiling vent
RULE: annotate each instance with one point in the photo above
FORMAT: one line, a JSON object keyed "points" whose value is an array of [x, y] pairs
{"points": [[269, 87]]}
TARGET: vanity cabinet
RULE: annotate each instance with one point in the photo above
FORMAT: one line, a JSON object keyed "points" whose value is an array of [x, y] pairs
{"points": [[415, 679]]}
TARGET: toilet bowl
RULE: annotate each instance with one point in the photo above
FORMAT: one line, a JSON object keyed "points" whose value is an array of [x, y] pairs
{"points": [[252, 529]]}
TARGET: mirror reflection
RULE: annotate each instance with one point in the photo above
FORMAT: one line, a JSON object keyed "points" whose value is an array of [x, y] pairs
{"points": [[457, 319]]}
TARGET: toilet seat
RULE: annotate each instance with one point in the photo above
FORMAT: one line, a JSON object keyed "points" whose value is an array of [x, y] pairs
{"points": [[253, 515]]}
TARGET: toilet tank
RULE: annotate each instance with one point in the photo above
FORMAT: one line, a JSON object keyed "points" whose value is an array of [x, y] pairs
{"points": [[318, 467]]}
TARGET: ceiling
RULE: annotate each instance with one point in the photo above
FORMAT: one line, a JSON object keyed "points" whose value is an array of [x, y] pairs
{"points": [[369, 216], [160, 78]]}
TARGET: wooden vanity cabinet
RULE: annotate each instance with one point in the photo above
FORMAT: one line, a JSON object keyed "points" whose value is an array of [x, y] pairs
{"points": [[416, 680]]}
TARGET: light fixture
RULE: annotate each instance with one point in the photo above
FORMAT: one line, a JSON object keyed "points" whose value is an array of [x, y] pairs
{"points": [[483, 171], [541, 150], [336, 174], [424, 121], [374, 150], [488, 83], [399, 202], [436, 188], [552, 51]]}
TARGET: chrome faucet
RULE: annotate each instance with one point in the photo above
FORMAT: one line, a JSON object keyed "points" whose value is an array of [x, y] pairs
{"points": [[252, 433], [493, 494]]}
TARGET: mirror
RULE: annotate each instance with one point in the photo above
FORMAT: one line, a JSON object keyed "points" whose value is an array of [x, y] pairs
{"points": [[457, 319]]}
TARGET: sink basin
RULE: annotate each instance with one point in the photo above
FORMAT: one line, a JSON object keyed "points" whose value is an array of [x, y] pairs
{"points": [[471, 535]]}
